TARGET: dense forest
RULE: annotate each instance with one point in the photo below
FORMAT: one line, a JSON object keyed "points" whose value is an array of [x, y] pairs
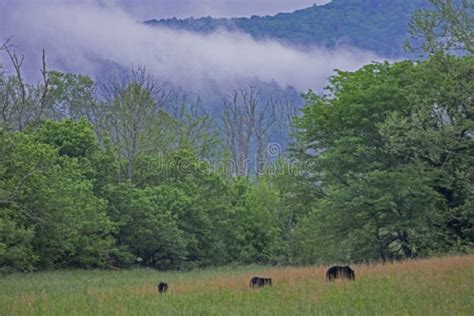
{"points": [[376, 25], [132, 172]]}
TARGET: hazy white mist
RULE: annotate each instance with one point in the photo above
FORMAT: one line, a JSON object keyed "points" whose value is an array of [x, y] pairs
{"points": [[77, 36]]}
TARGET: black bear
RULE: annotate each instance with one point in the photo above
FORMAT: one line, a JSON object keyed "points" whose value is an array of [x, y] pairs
{"points": [[340, 272], [162, 287], [260, 282]]}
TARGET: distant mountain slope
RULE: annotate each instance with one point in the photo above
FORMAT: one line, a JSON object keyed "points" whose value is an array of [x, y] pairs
{"points": [[376, 25]]}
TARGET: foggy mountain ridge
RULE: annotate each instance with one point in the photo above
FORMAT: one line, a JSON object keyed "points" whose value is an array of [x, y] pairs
{"points": [[379, 26]]}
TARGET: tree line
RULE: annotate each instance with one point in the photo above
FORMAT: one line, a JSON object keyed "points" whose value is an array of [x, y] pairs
{"points": [[133, 172]]}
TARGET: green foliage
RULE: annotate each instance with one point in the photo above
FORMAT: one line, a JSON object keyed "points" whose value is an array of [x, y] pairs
{"points": [[446, 26], [255, 233], [441, 137], [71, 139], [71, 96], [56, 212], [384, 161], [384, 172], [393, 150], [16, 251], [147, 226]]}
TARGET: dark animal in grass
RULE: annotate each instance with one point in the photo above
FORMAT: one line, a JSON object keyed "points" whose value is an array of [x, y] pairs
{"points": [[340, 272], [260, 282], [162, 287]]}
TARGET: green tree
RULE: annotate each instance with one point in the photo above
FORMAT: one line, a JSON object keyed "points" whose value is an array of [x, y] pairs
{"points": [[71, 96], [46, 194], [446, 26], [147, 225], [384, 195], [441, 137]]}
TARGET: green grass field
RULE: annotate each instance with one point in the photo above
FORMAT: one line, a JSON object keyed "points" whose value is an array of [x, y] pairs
{"points": [[442, 286]]}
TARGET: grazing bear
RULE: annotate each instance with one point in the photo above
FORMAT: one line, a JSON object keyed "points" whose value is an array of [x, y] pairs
{"points": [[340, 272], [260, 282], [162, 287]]}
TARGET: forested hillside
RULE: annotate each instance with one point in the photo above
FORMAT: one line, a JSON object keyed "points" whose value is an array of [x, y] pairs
{"points": [[377, 25], [133, 172]]}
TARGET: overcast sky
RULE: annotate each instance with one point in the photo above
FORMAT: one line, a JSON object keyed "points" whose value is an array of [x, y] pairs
{"points": [[148, 9], [220, 8]]}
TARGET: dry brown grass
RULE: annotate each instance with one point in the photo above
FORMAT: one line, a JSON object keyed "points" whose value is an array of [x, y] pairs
{"points": [[438, 286], [434, 269]]}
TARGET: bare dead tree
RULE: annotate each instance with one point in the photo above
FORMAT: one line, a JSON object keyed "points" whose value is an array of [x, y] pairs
{"points": [[194, 125], [266, 120], [287, 111], [238, 130], [45, 77], [134, 103], [111, 88], [247, 122], [22, 104]]}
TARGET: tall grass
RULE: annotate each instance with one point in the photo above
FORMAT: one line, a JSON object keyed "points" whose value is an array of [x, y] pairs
{"points": [[442, 286]]}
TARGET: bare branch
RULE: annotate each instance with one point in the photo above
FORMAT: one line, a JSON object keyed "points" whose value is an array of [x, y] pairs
{"points": [[44, 74]]}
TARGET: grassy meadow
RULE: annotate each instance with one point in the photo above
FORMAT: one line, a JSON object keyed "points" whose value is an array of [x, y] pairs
{"points": [[440, 286]]}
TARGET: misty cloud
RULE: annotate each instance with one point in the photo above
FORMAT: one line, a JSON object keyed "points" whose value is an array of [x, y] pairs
{"points": [[79, 35]]}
